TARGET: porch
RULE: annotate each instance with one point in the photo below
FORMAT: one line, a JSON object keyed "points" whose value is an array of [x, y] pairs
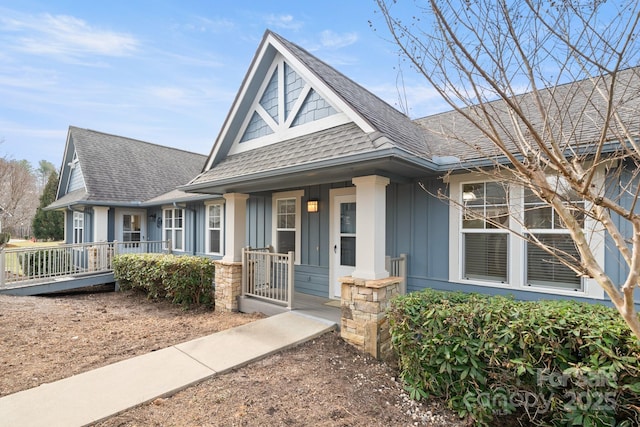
{"points": [[268, 285]]}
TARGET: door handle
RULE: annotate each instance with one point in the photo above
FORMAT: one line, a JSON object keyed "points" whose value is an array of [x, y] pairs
{"points": [[335, 249]]}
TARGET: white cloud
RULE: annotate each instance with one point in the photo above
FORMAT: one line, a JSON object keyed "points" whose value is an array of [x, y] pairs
{"points": [[208, 25], [332, 40], [283, 21], [63, 36]]}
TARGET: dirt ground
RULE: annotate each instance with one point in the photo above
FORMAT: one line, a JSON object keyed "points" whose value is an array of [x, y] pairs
{"points": [[324, 382]]}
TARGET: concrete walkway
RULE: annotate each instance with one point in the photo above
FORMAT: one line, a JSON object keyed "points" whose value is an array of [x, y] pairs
{"points": [[92, 396]]}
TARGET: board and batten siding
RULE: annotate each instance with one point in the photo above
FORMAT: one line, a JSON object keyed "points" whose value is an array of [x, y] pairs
{"points": [[418, 225], [614, 265]]}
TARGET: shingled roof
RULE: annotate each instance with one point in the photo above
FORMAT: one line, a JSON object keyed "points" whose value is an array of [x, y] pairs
{"points": [[576, 118], [125, 171], [387, 120], [390, 132]]}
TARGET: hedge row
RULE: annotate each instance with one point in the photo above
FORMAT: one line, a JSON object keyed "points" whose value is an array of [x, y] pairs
{"points": [[558, 363], [185, 280]]}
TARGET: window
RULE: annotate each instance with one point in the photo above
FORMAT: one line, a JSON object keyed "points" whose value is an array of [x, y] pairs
{"points": [[173, 224], [543, 223], [78, 227], [485, 244], [286, 225], [287, 222], [214, 236]]}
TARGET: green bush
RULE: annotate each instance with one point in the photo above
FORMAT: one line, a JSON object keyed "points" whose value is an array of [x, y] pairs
{"points": [[185, 280], [4, 238], [558, 363]]}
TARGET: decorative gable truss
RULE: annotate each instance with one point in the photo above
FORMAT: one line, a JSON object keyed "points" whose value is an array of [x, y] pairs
{"points": [[287, 106], [76, 179]]}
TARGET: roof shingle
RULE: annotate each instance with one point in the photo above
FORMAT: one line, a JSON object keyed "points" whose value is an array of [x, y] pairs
{"points": [[124, 170]]}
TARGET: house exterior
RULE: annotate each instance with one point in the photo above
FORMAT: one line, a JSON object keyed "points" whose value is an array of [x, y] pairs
{"points": [[309, 161], [105, 181]]}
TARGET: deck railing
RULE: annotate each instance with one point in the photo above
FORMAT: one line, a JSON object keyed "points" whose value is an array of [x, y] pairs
{"points": [[56, 261], [397, 266], [267, 275]]}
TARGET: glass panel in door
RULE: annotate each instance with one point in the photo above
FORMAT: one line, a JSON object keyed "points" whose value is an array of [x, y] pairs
{"points": [[131, 230], [348, 234], [343, 220]]}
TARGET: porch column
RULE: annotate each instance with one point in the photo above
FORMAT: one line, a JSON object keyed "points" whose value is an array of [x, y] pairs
{"points": [[370, 227], [234, 226], [100, 223]]}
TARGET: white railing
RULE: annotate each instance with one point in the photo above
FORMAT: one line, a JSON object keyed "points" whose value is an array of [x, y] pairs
{"points": [[397, 267], [56, 261], [267, 275]]}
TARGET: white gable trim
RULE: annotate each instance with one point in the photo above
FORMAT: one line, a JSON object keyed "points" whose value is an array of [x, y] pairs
{"points": [[294, 132], [76, 176], [321, 87], [282, 129], [345, 114]]}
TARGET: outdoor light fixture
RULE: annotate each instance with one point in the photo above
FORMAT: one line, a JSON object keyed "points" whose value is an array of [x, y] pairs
{"points": [[312, 206]]}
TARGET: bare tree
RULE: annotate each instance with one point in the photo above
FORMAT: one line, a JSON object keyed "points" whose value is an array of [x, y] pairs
{"points": [[44, 171], [18, 195], [545, 97]]}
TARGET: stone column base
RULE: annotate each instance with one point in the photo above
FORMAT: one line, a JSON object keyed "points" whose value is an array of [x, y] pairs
{"points": [[364, 323], [228, 285]]}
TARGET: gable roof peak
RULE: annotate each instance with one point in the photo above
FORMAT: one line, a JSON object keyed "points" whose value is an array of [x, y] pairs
{"points": [[356, 104]]}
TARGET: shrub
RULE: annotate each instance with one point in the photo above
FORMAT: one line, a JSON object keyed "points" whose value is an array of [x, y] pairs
{"points": [[556, 363], [185, 280]]}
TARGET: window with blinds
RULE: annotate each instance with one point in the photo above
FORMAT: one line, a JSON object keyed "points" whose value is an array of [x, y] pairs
{"points": [[542, 221], [485, 243], [485, 256], [544, 269]]}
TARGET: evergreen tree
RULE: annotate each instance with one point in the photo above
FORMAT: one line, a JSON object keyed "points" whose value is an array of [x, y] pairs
{"points": [[49, 225]]}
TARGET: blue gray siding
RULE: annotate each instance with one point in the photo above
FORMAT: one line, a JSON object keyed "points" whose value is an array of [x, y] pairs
{"points": [[258, 223], [76, 181], [615, 266], [418, 225]]}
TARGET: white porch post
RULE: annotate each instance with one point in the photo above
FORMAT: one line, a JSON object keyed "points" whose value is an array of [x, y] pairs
{"points": [[100, 223], [234, 226], [370, 227]]}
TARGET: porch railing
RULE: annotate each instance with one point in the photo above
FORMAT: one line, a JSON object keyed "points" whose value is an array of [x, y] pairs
{"points": [[57, 261], [268, 276], [397, 266]]}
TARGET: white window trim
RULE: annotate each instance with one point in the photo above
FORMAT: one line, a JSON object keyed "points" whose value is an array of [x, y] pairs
{"points": [[207, 229], [297, 195], [173, 229], [516, 246], [80, 216]]}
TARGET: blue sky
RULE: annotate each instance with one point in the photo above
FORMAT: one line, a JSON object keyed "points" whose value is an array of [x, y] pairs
{"points": [[167, 72]]}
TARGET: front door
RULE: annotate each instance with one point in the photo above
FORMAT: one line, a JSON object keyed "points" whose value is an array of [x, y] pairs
{"points": [[131, 230], [343, 241]]}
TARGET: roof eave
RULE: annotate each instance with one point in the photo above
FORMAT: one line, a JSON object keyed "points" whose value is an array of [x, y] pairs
{"points": [[222, 185]]}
